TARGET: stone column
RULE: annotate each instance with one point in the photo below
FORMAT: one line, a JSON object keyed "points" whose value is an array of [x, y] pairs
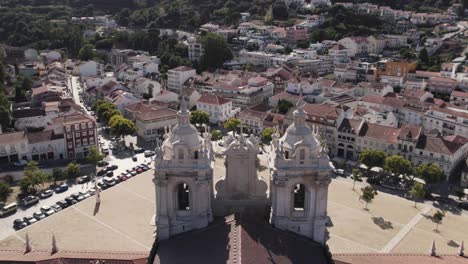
{"points": [[162, 217], [321, 210]]}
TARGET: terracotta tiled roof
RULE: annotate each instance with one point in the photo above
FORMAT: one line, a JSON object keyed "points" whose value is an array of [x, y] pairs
{"points": [[413, 93], [242, 240], [12, 137], [437, 144], [409, 132], [249, 113], [348, 124], [373, 99], [42, 136], [182, 68], [460, 94], [321, 110], [397, 259], [71, 257], [213, 99], [382, 133]]}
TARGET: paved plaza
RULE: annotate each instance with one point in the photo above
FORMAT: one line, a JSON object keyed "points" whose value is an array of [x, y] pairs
{"points": [[122, 222]]}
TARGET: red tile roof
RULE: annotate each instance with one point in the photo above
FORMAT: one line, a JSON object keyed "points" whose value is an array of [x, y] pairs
{"points": [[182, 68], [374, 258], [438, 144], [382, 133], [213, 99], [460, 94]]}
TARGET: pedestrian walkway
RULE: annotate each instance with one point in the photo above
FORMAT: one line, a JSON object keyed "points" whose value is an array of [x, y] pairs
{"points": [[405, 230]]}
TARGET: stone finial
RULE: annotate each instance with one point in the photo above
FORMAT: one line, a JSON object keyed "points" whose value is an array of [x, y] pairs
{"points": [[433, 249], [461, 250], [54, 245], [27, 245]]}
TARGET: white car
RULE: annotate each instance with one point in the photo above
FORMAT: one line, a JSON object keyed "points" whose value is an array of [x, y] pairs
{"points": [[47, 211], [20, 163]]}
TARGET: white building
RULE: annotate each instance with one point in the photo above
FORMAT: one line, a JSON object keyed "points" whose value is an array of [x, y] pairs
{"points": [[88, 68], [195, 50], [178, 76], [218, 108]]}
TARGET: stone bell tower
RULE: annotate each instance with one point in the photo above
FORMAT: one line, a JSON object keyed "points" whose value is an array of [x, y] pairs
{"points": [[299, 180], [183, 178]]}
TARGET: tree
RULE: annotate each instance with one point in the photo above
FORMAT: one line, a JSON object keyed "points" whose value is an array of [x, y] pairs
{"points": [[372, 158], [368, 194], [266, 133], [424, 57], [107, 116], [86, 52], [5, 191], [121, 126], [216, 135], [199, 117], [398, 166], [280, 11], [57, 175], [232, 124], [94, 156], [430, 172], [437, 218], [283, 106], [216, 51], [33, 177], [417, 192], [73, 170], [356, 176]]}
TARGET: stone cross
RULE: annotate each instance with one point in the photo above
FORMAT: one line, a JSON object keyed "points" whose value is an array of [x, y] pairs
{"points": [[433, 249], [27, 248], [461, 250], [54, 244]]}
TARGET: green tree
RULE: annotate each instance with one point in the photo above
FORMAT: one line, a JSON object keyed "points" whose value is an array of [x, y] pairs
{"points": [[284, 106], [94, 156], [33, 177], [58, 175], [86, 52], [73, 170], [216, 135], [424, 57], [267, 133], [232, 124], [368, 194], [437, 218], [430, 172], [199, 117], [5, 191], [417, 192], [398, 166], [372, 158], [356, 176], [216, 51], [121, 126], [107, 116]]}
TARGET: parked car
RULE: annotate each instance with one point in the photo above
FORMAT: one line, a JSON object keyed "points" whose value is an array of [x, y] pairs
{"points": [[63, 203], [19, 224], [92, 191], [29, 220], [139, 170], [20, 163], [463, 205], [70, 200], [85, 194], [102, 163], [8, 209], [122, 178], [149, 153], [112, 167], [39, 215], [138, 150], [46, 194], [83, 179], [109, 174], [80, 198], [105, 151], [30, 200], [133, 173], [101, 172], [109, 182], [103, 185], [339, 172], [47, 210], [134, 158], [62, 188], [56, 207]]}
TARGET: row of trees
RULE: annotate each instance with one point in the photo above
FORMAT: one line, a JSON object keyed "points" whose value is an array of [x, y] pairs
{"points": [[109, 116], [397, 165], [35, 177]]}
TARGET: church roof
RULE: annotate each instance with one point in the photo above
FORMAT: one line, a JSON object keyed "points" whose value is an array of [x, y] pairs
{"points": [[240, 240]]}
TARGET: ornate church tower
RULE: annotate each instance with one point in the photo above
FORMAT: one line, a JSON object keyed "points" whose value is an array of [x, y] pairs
{"points": [[183, 178], [299, 181]]}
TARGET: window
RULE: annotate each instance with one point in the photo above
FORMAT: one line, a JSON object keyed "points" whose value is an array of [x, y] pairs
{"points": [[90, 124], [286, 154], [70, 145], [78, 142], [183, 197], [85, 141], [148, 132], [69, 135], [181, 154], [195, 154], [299, 197], [91, 132], [68, 128], [84, 133], [302, 154], [77, 134], [91, 140], [77, 126], [83, 125]]}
